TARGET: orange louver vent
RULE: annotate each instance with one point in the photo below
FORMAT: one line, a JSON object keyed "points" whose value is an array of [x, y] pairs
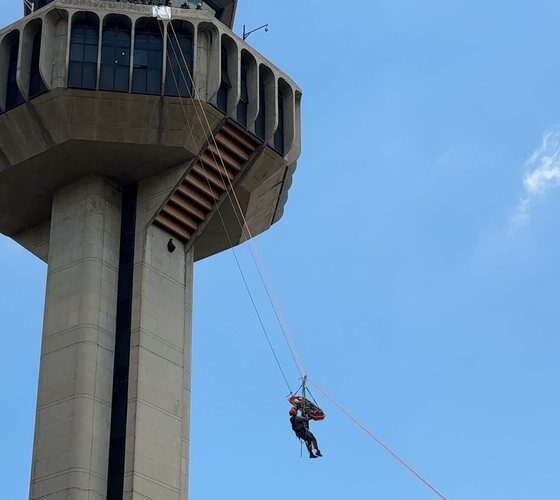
{"points": [[208, 179]]}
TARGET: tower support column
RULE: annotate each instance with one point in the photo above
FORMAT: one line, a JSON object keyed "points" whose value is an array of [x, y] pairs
{"points": [[71, 442], [158, 422]]}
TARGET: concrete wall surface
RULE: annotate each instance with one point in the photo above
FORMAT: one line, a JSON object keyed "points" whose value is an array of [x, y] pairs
{"points": [[75, 381]]}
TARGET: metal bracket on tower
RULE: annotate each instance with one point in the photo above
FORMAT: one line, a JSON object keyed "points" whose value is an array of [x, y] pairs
{"points": [[30, 5], [247, 33]]}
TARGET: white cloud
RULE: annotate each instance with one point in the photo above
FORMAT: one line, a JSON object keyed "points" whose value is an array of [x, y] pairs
{"points": [[543, 175]]}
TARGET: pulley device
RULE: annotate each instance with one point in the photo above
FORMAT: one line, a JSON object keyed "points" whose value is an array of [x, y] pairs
{"points": [[306, 407]]}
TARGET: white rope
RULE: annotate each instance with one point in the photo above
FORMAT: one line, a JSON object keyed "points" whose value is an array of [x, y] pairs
{"points": [[263, 327], [242, 221], [257, 258]]}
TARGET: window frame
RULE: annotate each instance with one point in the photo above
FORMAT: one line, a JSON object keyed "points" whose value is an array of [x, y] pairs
{"points": [[222, 96], [243, 103], [178, 76], [117, 69], [147, 77], [84, 65], [14, 97], [260, 122], [279, 140]]}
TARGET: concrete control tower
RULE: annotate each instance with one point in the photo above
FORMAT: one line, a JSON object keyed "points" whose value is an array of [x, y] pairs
{"points": [[124, 132]]}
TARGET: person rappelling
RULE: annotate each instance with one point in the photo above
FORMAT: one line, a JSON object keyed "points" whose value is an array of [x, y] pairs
{"points": [[302, 411], [300, 426]]}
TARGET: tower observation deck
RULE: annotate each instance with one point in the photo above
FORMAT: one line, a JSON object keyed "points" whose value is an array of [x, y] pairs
{"points": [[134, 141]]}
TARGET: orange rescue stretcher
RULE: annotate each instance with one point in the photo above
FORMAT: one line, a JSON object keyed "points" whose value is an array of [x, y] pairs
{"points": [[307, 408]]}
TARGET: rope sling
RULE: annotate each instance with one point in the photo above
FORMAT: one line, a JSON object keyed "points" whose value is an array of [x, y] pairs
{"points": [[306, 407]]}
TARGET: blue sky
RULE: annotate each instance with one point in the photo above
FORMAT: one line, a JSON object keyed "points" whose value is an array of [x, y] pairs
{"points": [[417, 264]]}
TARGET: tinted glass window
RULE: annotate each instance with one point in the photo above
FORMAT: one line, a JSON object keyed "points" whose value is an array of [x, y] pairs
{"points": [[36, 84], [179, 64], [82, 71], [279, 134], [148, 64], [225, 85], [260, 124], [243, 106], [13, 95], [115, 57]]}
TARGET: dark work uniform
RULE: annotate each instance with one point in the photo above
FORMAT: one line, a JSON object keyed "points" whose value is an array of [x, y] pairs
{"points": [[300, 425]]}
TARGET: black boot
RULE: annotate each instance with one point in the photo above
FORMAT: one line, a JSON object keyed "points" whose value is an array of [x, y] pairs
{"points": [[318, 453]]}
